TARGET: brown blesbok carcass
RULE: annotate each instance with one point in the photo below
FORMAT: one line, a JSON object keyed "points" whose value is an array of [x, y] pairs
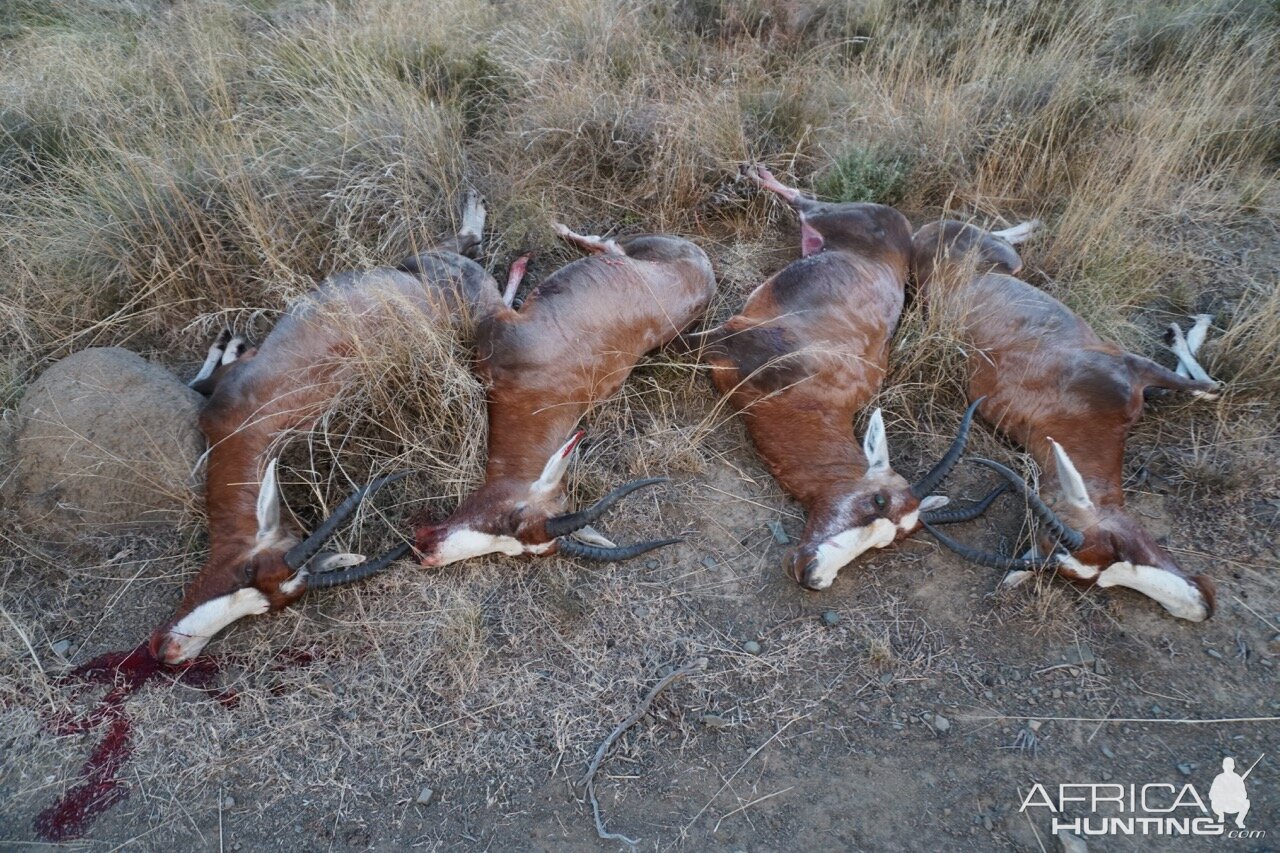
{"points": [[1052, 385], [256, 563], [572, 344], [807, 352]]}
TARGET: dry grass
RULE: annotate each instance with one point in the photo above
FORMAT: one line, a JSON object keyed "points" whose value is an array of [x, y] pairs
{"points": [[168, 169]]}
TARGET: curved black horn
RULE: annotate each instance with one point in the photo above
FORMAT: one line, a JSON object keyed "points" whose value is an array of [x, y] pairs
{"points": [[955, 515], [298, 555], [926, 484], [561, 525], [611, 555], [1068, 536], [368, 568], [986, 558]]}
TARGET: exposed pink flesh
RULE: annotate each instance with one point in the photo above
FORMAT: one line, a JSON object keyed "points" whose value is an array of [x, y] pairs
{"points": [[810, 240], [514, 277]]}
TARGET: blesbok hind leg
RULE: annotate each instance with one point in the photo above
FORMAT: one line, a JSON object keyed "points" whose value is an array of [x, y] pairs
{"points": [[471, 231], [514, 277], [589, 243], [1186, 348], [1152, 375]]}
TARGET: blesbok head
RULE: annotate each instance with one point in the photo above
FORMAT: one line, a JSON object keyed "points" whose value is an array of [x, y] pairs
{"points": [[269, 570], [509, 516], [1094, 543], [951, 242], [873, 511]]}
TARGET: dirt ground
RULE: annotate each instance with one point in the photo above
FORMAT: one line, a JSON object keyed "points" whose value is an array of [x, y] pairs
{"points": [[910, 707]]}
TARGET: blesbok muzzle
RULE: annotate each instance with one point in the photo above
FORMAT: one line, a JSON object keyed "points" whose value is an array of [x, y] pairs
{"points": [[561, 527]]}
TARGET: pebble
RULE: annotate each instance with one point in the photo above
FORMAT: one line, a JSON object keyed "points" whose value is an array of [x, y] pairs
{"points": [[1106, 775], [751, 647], [61, 648], [1185, 768], [1157, 710], [651, 564], [1079, 654], [1101, 667], [1213, 653], [714, 721], [779, 535], [941, 724], [1108, 751], [229, 802], [709, 561], [1057, 694], [425, 796], [831, 618], [886, 678]]}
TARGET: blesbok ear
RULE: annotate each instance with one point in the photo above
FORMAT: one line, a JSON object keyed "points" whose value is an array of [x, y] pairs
{"points": [[875, 446], [1069, 479], [327, 561], [933, 502], [553, 472], [269, 504]]}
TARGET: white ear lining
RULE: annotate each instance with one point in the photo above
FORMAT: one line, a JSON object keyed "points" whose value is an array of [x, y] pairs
{"points": [[553, 472], [875, 446], [268, 504], [1069, 479], [933, 502]]}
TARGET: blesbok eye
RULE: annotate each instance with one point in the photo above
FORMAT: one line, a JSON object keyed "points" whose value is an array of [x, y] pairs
{"points": [[879, 501]]}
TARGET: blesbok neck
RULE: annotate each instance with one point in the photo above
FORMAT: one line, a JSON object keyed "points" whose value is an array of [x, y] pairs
{"points": [[233, 475], [812, 454], [521, 441]]}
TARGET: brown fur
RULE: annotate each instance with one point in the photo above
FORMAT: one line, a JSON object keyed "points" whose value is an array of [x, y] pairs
{"points": [[1046, 374]]}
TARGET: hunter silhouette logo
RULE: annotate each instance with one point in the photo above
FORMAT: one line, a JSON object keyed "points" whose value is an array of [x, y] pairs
{"points": [[1227, 795], [1150, 809]]}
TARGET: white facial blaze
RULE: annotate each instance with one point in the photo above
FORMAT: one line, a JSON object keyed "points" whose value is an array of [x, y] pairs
{"points": [[466, 543], [875, 446], [839, 550], [1176, 594], [1069, 479], [193, 631], [553, 472]]}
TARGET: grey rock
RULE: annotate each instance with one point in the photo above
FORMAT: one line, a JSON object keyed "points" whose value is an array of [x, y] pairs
{"points": [[709, 561], [1108, 751], [1186, 768], [1071, 843], [941, 724], [425, 796], [886, 678], [714, 721], [751, 647], [1079, 654], [228, 802], [779, 534], [61, 648], [831, 618], [651, 564], [105, 441], [1213, 653]]}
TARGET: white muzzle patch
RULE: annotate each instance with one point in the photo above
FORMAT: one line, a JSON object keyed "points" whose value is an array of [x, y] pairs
{"points": [[466, 543], [1176, 594], [841, 549], [186, 639]]}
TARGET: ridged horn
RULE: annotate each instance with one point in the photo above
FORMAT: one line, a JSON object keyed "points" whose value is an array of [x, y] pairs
{"points": [[562, 525], [1068, 536], [297, 556], [955, 515], [611, 555], [926, 484], [368, 568], [986, 558]]}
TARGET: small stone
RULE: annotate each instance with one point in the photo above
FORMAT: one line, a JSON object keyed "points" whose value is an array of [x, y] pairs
{"points": [[830, 618], [61, 648], [1106, 775], [709, 561], [1185, 768], [1108, 751], [1157, 710], [714, 721], [1213, 653], [1079, 654], [779, 535], [941, 724], [425, 796], [1035, 725], [1101, 667], [228, 802], [751, 647], [1057, 694], [886, 678], [651, 564], [986, 822]]}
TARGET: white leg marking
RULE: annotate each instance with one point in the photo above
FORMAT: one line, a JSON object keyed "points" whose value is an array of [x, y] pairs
{"points": [[234, 348], [1018, 233], [1014, 579], [473, 215], [1187, 364], [210, 362], [1176, 594]]}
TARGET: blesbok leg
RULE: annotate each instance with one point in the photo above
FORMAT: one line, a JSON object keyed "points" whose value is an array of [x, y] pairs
{"points": [[589, 243], [213, 359], [1186, 348], [811, 241], [514, 277]]}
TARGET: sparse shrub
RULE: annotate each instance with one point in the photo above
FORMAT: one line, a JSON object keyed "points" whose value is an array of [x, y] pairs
{"points": [[862, 174]]}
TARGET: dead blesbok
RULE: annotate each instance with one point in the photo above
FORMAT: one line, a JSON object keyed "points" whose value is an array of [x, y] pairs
{"points": [[572, 344], [807, 352], [256, 562], [1052, 385]]}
